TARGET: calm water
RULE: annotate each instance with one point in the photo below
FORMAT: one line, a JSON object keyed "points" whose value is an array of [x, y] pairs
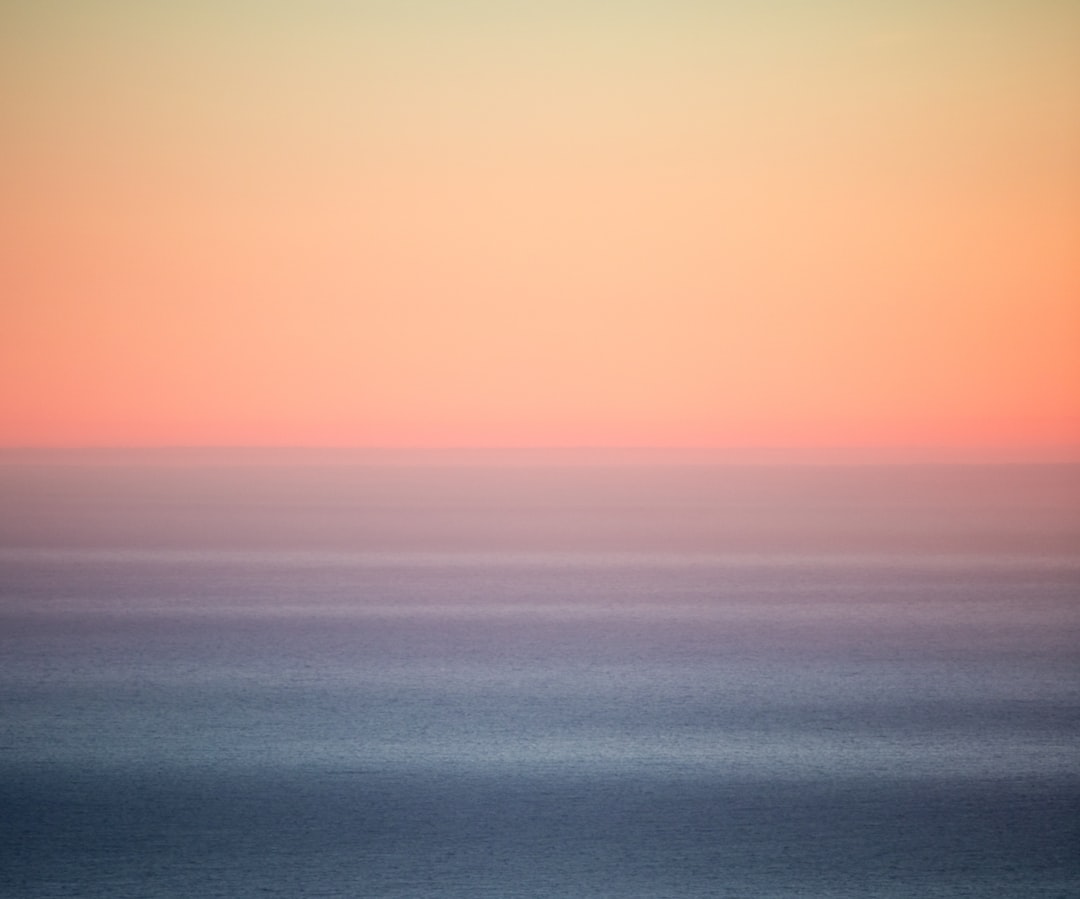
{"points": [[252, 680]]}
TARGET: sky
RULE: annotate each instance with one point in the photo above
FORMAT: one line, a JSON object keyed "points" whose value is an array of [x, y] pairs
{"points": [[523, 224]]}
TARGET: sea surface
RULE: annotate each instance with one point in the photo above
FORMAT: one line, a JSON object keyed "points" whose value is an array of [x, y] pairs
{"points": [[374, 677]]}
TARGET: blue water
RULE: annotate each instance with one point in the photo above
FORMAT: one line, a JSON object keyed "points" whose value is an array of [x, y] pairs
{"points": [[424, 681]]}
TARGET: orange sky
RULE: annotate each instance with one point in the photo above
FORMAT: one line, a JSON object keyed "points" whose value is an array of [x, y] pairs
{"points": [[804, 225]]}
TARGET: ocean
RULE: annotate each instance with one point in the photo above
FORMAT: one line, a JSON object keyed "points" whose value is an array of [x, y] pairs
{"points": [[367, 676]]}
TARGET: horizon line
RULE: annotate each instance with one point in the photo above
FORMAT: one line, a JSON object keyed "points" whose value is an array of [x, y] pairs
{"points": [[567, 454]]}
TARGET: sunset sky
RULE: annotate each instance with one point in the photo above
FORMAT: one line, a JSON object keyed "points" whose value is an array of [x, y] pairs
{"points": [[845, 223]]}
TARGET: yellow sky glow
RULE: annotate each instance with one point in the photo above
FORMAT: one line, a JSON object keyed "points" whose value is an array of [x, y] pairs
{"points": [[487, 224]]}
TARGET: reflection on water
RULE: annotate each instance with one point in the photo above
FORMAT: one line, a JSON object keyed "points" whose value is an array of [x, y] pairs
{"points": [[456, 681]]}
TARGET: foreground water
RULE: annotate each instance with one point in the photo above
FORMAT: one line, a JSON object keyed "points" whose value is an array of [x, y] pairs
{"points": [[535, 681]]}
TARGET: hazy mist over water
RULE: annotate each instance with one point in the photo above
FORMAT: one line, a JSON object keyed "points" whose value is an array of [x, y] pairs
{"points": [[452, 676]]}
